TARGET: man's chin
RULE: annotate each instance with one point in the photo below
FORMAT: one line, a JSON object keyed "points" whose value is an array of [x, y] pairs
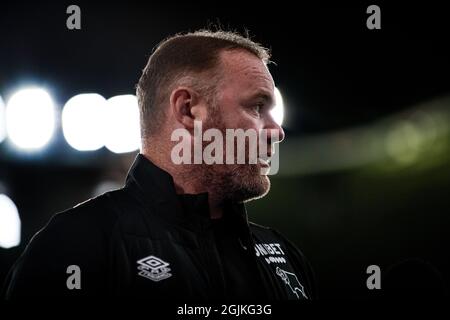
{"points": [[239, 183], [252, 189]]}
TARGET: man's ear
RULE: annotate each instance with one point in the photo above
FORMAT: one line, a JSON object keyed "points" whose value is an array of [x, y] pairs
{"points": [[184, 103]]}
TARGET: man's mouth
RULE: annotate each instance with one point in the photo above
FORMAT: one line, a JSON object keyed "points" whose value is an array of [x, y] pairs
{"points": [[264, 162]]}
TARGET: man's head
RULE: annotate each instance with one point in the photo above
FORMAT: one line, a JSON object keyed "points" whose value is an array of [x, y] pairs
{"points": [[218, 78]]}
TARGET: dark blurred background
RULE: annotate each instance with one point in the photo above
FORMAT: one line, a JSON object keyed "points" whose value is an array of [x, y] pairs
{"points": [[364, 176]]}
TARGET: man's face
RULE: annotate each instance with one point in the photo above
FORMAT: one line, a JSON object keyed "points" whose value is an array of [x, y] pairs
{"points": [[244, 99]]}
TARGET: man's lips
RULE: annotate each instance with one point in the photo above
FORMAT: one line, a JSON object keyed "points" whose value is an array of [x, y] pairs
{"points": [[264, 162]]}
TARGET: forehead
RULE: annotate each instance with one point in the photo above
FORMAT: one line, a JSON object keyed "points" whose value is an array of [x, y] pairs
{"points": [[245, 70]]}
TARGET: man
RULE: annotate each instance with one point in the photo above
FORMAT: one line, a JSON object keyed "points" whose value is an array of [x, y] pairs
{"points": [[179, 230]]}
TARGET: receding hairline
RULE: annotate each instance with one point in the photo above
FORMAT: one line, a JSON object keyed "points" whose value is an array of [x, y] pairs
{"points": [[225, 59], [232, 38]]}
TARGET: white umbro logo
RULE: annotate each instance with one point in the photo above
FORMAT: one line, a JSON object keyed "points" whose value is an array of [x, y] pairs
{"points": [[153, 268]]}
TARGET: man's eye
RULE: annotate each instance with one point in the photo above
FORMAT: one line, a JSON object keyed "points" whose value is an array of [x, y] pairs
{"points": [[258, 108]]}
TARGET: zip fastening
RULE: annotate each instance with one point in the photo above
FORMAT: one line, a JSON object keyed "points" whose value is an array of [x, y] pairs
{"points": [[210, 255]]}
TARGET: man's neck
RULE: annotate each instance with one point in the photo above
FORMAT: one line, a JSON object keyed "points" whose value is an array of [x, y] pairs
{"points": [[185, 182]]}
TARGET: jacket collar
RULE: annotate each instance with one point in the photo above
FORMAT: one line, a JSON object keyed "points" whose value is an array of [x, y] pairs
{"points": [[156, 189]]}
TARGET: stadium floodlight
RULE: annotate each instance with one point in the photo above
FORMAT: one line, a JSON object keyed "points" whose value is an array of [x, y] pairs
{"points": [[30, 118], [2, 120], [122, 133], [10, 224], [82, 118]]}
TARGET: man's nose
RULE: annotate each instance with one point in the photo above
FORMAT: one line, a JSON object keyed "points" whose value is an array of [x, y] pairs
{"points": [[275, 132]]}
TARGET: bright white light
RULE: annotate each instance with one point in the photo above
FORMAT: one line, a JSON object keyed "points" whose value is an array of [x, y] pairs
{"points": [[82, 118], [122, 124], [2, 121], [30, 118], [278, 111], [9, 223]]}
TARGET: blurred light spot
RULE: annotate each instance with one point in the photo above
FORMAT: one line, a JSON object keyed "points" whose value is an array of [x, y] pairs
{"points": [[82, 118], [122, 124], [9, 223], [2, 120], [278, 111], [30, 118], [404, 142]]}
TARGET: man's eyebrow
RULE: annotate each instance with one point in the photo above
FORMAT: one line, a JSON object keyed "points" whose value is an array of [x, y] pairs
{"points": [[264, 95]]}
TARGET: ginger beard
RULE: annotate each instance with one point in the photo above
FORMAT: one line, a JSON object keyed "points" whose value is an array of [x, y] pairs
{"points": [[233, 182]]}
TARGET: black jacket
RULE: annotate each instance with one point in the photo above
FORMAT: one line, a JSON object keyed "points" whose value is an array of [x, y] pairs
{"points": [[144, 240]]}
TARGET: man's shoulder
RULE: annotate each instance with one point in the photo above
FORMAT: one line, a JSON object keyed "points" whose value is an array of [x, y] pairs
{"points": [[262, 231], [100, 218], [99, 213], [82, 231], [93, 220], [78, 237], [269, 235]]}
